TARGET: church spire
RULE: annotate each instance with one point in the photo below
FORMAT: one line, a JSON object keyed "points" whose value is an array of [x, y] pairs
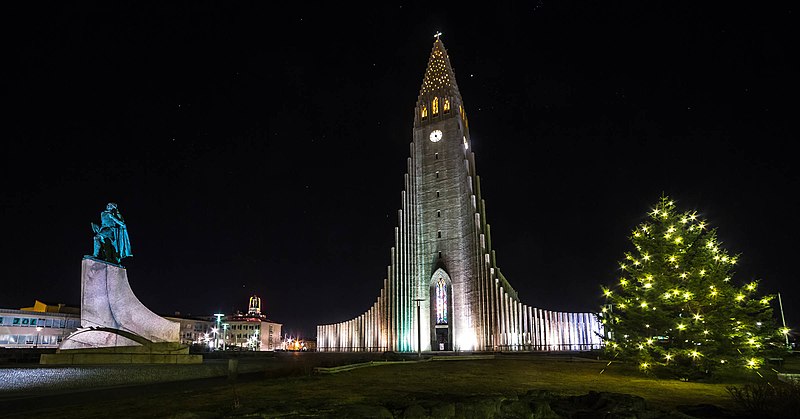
{"points": [[439, 92], [439, 74]]}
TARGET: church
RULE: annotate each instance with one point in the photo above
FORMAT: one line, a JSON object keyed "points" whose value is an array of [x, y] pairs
{"points": [[443, 290]]}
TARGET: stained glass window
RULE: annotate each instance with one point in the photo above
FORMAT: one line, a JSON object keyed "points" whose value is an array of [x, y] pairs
{"points": [[441, 301]]}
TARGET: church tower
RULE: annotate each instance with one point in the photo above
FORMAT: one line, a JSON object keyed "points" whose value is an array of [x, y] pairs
{"points": [[443, 290], [445, 204]]}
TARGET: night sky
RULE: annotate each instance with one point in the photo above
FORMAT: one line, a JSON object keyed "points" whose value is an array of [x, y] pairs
{"points": [[261, 150]]}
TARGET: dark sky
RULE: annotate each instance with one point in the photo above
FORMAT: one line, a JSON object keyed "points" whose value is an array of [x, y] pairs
{"points": [[262, 149]]}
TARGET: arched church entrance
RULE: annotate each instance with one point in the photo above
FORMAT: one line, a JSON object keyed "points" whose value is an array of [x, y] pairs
{"points": [[441, 292]]}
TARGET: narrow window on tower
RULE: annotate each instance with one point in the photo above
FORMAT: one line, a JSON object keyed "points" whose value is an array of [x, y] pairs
{"points": [[438, 213], [437, 174], [446, 105], [441, 300], [439, 234], [436, 156], [423, 112], [437, 194], [435, 106], [440, 255]]}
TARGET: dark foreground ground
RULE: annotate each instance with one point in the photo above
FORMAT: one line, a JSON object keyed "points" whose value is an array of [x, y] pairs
{"points": [[287, 386]]}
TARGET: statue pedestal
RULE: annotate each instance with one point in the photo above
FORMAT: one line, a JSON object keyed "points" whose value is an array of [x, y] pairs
{"points": [[116, 326], [155, 353]]}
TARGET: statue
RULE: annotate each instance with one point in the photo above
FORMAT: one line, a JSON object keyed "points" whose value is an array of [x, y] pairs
{"points": [[111, 242]]}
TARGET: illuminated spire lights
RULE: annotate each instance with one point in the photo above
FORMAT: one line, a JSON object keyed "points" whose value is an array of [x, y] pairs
{"points": [[439, 75]]}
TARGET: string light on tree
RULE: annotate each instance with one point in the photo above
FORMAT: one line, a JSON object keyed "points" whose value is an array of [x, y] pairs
{"points": [[690, 317]]}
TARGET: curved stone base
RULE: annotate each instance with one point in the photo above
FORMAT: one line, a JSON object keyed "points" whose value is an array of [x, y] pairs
{"points": [[101, 337], [107, 301], [98, 340], [103, 345]]}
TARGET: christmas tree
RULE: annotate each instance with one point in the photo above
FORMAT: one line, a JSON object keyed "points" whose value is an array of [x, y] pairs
{"points": [[677, 307]]}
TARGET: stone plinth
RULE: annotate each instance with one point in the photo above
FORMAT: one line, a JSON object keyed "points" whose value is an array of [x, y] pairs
{"points": [[155, 353], [116, 328], [107, 301]]}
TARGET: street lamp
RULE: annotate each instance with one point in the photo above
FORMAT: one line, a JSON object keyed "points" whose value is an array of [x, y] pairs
{"points": [[225, 336], [38, 329], [419, 328], [219, 317]]}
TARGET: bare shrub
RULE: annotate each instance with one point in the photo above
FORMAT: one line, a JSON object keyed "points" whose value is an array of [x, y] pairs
{"points": [[767, 400]]}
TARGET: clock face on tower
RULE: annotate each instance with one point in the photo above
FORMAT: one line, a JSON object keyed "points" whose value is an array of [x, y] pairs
{"points": [[436, 135]]}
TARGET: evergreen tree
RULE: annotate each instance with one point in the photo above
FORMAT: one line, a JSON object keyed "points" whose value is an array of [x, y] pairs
{"points": [[677, 306]]}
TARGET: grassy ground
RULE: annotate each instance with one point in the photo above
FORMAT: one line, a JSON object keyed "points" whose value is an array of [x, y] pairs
{"points": [[393, 385]]}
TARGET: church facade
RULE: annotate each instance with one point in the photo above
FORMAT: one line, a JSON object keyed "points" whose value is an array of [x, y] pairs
{"points": [[443, 290]]}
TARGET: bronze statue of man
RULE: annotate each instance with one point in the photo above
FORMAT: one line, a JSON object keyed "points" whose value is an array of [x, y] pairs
{"points": [[111, 242]]}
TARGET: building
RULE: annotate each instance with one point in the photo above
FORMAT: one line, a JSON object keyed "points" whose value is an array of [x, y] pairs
{"points": [[443, 290], [251, 331], [43, 325], [194, 330]]}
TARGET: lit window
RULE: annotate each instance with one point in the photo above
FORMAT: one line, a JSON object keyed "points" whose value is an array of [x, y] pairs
{"points": [[435, 106], [446, 105], [424, 112], [441, 300]]}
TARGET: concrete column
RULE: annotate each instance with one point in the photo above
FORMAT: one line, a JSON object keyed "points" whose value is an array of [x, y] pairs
{"points": [[515, 318], [401, 273], [497, 312], [586, 337], [571, 322], [549, 339], [531, 327], [385, 338], [373, 334], [507, 317], [526, 327], [512, 308], [392, 304], [507, 310], [501, 304], [368, 330], [319, 338], [521, 323]]}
